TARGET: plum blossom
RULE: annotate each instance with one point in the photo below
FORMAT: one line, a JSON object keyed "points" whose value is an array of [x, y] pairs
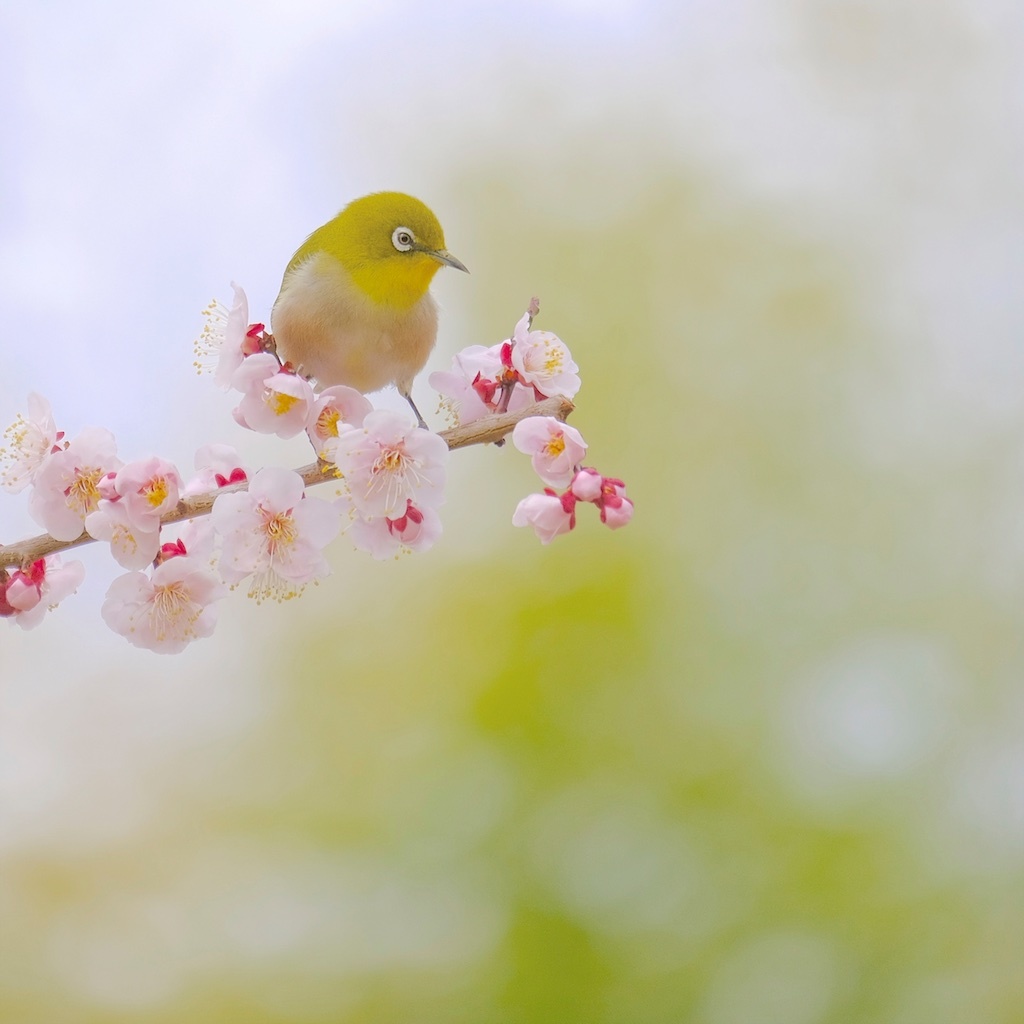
{"points": [[555, 448], [543, 361], [335, 408], [468, 389], [586, 484], [416, 530], [217, 465], [275, 533], [132, 546], [477, 384], [551, 514], [616, 508], [29, 593], [167, 609], [148, 488], [227, 338], [128, 513], [509, 376], [273, 401], [607, 493], [548, 514], [66, 485], [480, 382], [29, 442], [389, 462], [196, 537]]}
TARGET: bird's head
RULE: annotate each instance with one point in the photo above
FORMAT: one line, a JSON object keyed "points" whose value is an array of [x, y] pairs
{"points": [[390, 243]]}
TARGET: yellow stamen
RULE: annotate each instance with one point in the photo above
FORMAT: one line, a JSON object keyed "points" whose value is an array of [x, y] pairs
{"points": [[83, 495], [553, 360], [124, 539], [327, 422], [555, 446], [280, 530], [389, 460], [208, 345], [171, 604], [280, 402], [156, 491]]}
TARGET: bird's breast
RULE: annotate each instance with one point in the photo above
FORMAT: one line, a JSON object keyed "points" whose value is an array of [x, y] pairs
{"points": [[327, 327]]}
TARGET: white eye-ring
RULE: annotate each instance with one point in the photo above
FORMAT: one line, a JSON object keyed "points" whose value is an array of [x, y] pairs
{"points": [[402, 239]]}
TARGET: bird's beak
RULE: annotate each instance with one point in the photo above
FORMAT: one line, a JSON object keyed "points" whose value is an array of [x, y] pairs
{"points": [[444, 256]]}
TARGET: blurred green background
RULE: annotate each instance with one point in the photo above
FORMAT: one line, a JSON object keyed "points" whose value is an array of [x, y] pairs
{"points": [[756, 759]]}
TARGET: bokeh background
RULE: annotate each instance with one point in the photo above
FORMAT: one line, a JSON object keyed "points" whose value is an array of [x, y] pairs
{"points": [[757, 759]]}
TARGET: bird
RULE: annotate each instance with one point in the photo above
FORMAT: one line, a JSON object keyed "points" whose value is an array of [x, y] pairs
{"points": [[355, 306]]}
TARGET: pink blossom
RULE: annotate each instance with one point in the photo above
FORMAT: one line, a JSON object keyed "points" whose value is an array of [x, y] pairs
{"points": [[416, 530], [29, 441], [542, 360], [615, 516], [473, 388], [132, 546], [196, 537], [128, 513], [555, 448], [470, 388], [273, 401], [607, 493], [616, 508], [389, 462], [548, 514], [586, 485], [217, 465], [275, 533], [147, 489], [335, 407], [66, 485], [106, 486], [28, 594], [166, 609], [227, 338]]}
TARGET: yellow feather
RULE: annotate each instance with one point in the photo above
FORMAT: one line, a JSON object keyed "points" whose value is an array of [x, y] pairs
{"points": [[354, 306]]}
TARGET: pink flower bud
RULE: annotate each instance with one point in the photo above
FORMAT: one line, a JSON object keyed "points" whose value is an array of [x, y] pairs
{"points": [[586, 485]]}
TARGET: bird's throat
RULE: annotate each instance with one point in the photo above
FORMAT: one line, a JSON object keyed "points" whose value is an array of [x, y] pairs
{"points": [[397, 283]]}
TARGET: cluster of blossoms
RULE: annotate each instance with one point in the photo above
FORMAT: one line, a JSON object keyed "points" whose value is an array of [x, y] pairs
{"points": [[393, 472], [511, 376], [263, 529], [556, 450], [81, 488]]}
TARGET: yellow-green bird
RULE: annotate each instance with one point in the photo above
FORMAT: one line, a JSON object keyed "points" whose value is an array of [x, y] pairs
{"points": [[354, 306]]}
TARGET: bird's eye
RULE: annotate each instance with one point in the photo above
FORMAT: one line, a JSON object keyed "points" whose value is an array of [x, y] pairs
{"points": [[402, 239]]}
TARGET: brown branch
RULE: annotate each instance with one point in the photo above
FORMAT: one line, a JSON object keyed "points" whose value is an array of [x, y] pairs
{"points": [[483, 431]]}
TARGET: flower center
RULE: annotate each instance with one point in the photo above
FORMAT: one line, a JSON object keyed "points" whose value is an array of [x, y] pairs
{"points": [[173, 603], [83, 495], [555, 446], [155, 492], [280, 402], [279, 528], [390, 460], [327, 422], [394, 472]]}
